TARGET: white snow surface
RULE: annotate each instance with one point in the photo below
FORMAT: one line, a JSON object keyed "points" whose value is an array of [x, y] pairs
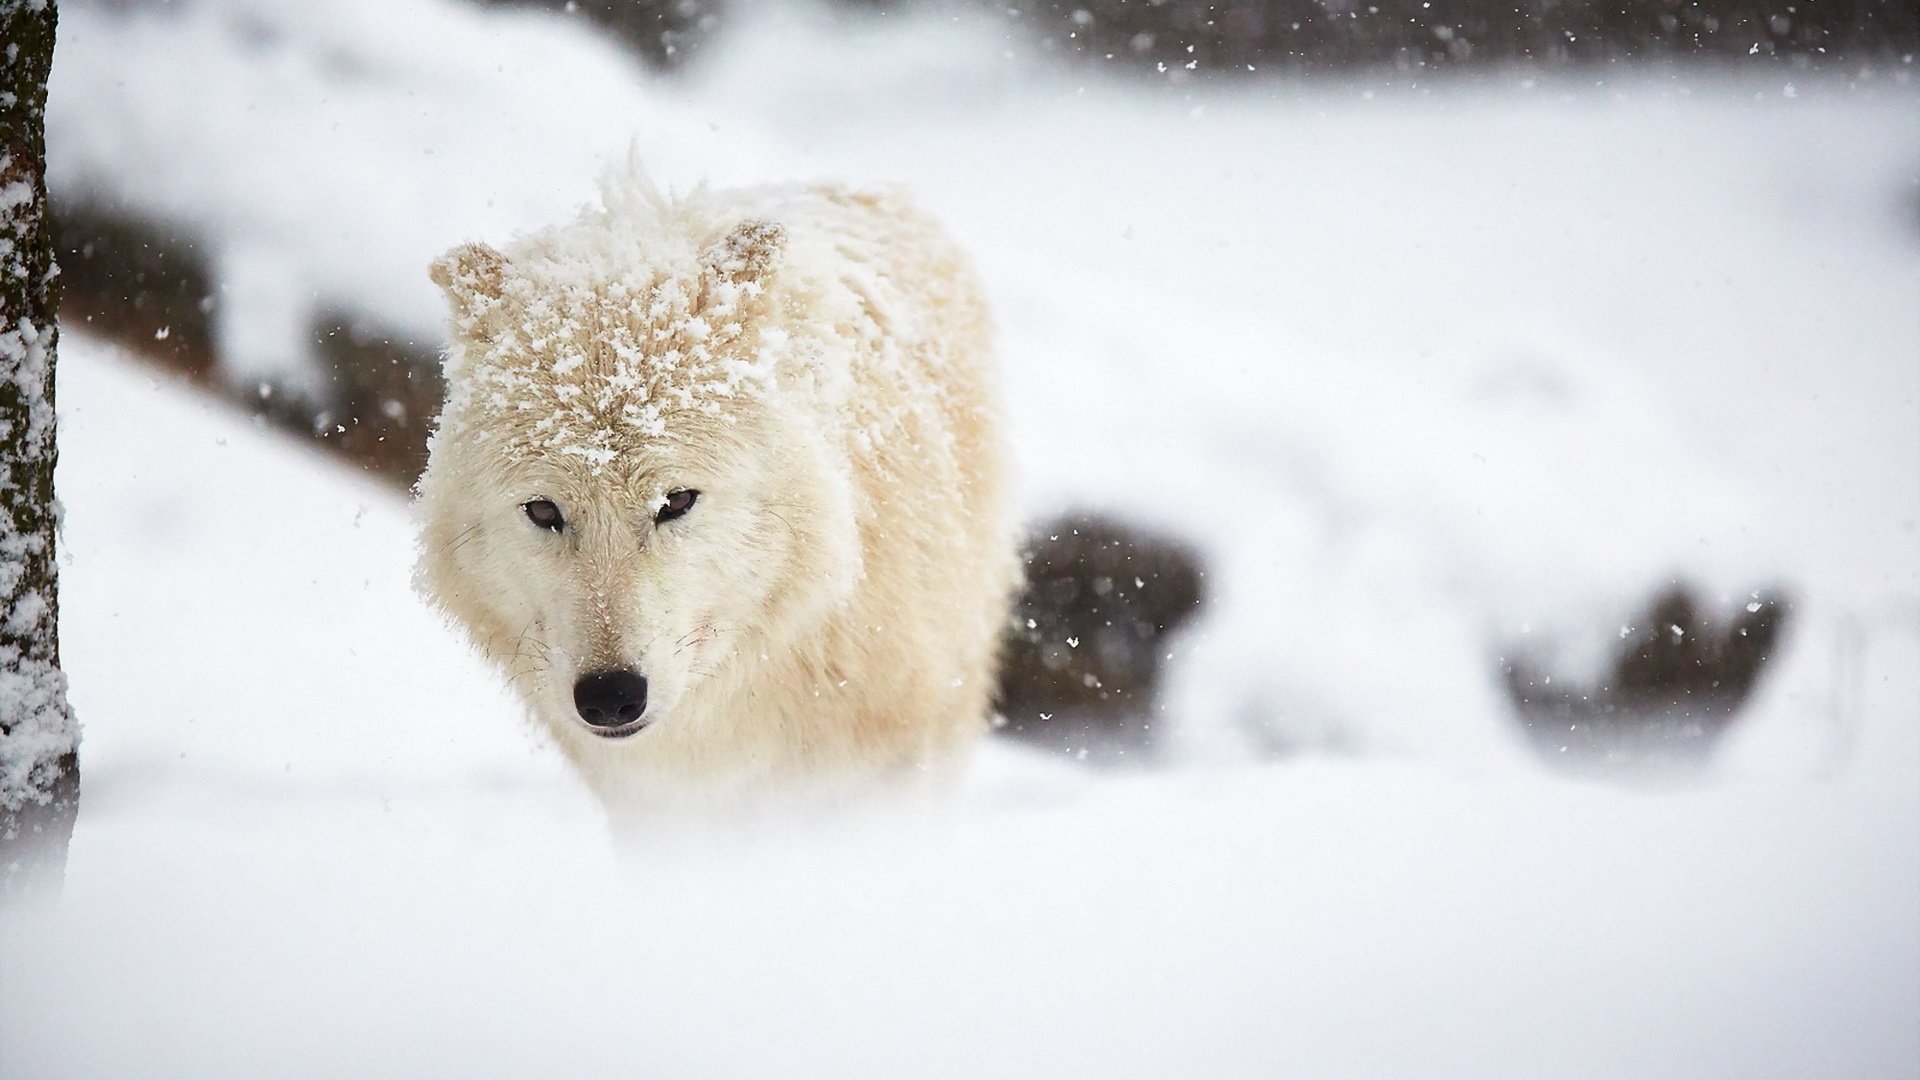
{"points": [[1427, 373]]}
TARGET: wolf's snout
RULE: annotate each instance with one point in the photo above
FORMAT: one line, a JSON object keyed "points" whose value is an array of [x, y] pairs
{"points": [[611, 699]]}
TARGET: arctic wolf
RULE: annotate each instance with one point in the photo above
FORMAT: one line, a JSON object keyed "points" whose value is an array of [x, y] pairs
{"points": [[719, 486]]}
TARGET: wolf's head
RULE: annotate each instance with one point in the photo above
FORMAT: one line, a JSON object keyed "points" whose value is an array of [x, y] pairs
{"points": [[618, 508]]}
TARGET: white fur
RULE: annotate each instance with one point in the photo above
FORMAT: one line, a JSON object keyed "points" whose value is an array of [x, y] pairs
{"points": [[816, 363]]}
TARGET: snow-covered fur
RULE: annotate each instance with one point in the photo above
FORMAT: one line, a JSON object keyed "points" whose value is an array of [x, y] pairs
{"points": [[815, 363]]}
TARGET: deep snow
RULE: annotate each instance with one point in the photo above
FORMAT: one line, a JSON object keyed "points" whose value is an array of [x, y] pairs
{"points": [[1425, 371]]}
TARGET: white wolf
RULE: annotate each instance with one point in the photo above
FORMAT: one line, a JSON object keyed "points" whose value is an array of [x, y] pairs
{"points": [[720, 485]]}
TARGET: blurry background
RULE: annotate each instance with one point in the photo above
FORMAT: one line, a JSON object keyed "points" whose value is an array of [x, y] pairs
{"points": [[1473, 453]]}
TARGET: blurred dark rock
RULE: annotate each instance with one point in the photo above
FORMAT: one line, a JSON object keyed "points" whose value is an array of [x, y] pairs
{"points": [[138, 283], [664, 33], [1674, 687], [1175, 36], [1081, 658], [152, 289], [382, 393]]}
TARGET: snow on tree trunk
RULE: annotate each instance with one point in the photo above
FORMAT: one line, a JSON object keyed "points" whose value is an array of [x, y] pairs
{"points": [[39, 739]]}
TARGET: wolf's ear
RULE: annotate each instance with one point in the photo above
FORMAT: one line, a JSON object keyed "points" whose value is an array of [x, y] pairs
{"points": [[473, 276], [747, 255]]}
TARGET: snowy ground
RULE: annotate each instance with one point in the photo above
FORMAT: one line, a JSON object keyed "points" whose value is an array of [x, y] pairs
{"points": [[1426, 372]]}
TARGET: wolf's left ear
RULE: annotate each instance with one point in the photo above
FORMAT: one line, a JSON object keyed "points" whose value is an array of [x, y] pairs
{"points": [[473, 276], [748, 254]]}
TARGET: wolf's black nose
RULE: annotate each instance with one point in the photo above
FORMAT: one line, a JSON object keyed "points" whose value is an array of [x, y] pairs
{"points": [[609, 699]]}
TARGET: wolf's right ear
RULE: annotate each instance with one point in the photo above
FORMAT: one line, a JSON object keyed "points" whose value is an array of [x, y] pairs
{"points": [[473, 276]]}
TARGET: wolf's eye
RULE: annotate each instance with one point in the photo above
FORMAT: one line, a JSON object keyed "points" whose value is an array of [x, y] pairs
{"points": [[677, 504], [544, 514]]}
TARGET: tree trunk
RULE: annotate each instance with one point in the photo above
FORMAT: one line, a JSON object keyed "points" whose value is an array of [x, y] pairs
{"points": [[39, 739]]}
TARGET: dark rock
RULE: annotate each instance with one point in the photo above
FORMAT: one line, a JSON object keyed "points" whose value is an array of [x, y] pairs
{"points": [[1674, 687], [1166, 36], [152, 289], [382, 389], [1082, 654], [138, 283], [664, 33]]}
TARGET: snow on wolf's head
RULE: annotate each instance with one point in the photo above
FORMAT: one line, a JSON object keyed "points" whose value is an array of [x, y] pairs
{"points": [[620, 507]]}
